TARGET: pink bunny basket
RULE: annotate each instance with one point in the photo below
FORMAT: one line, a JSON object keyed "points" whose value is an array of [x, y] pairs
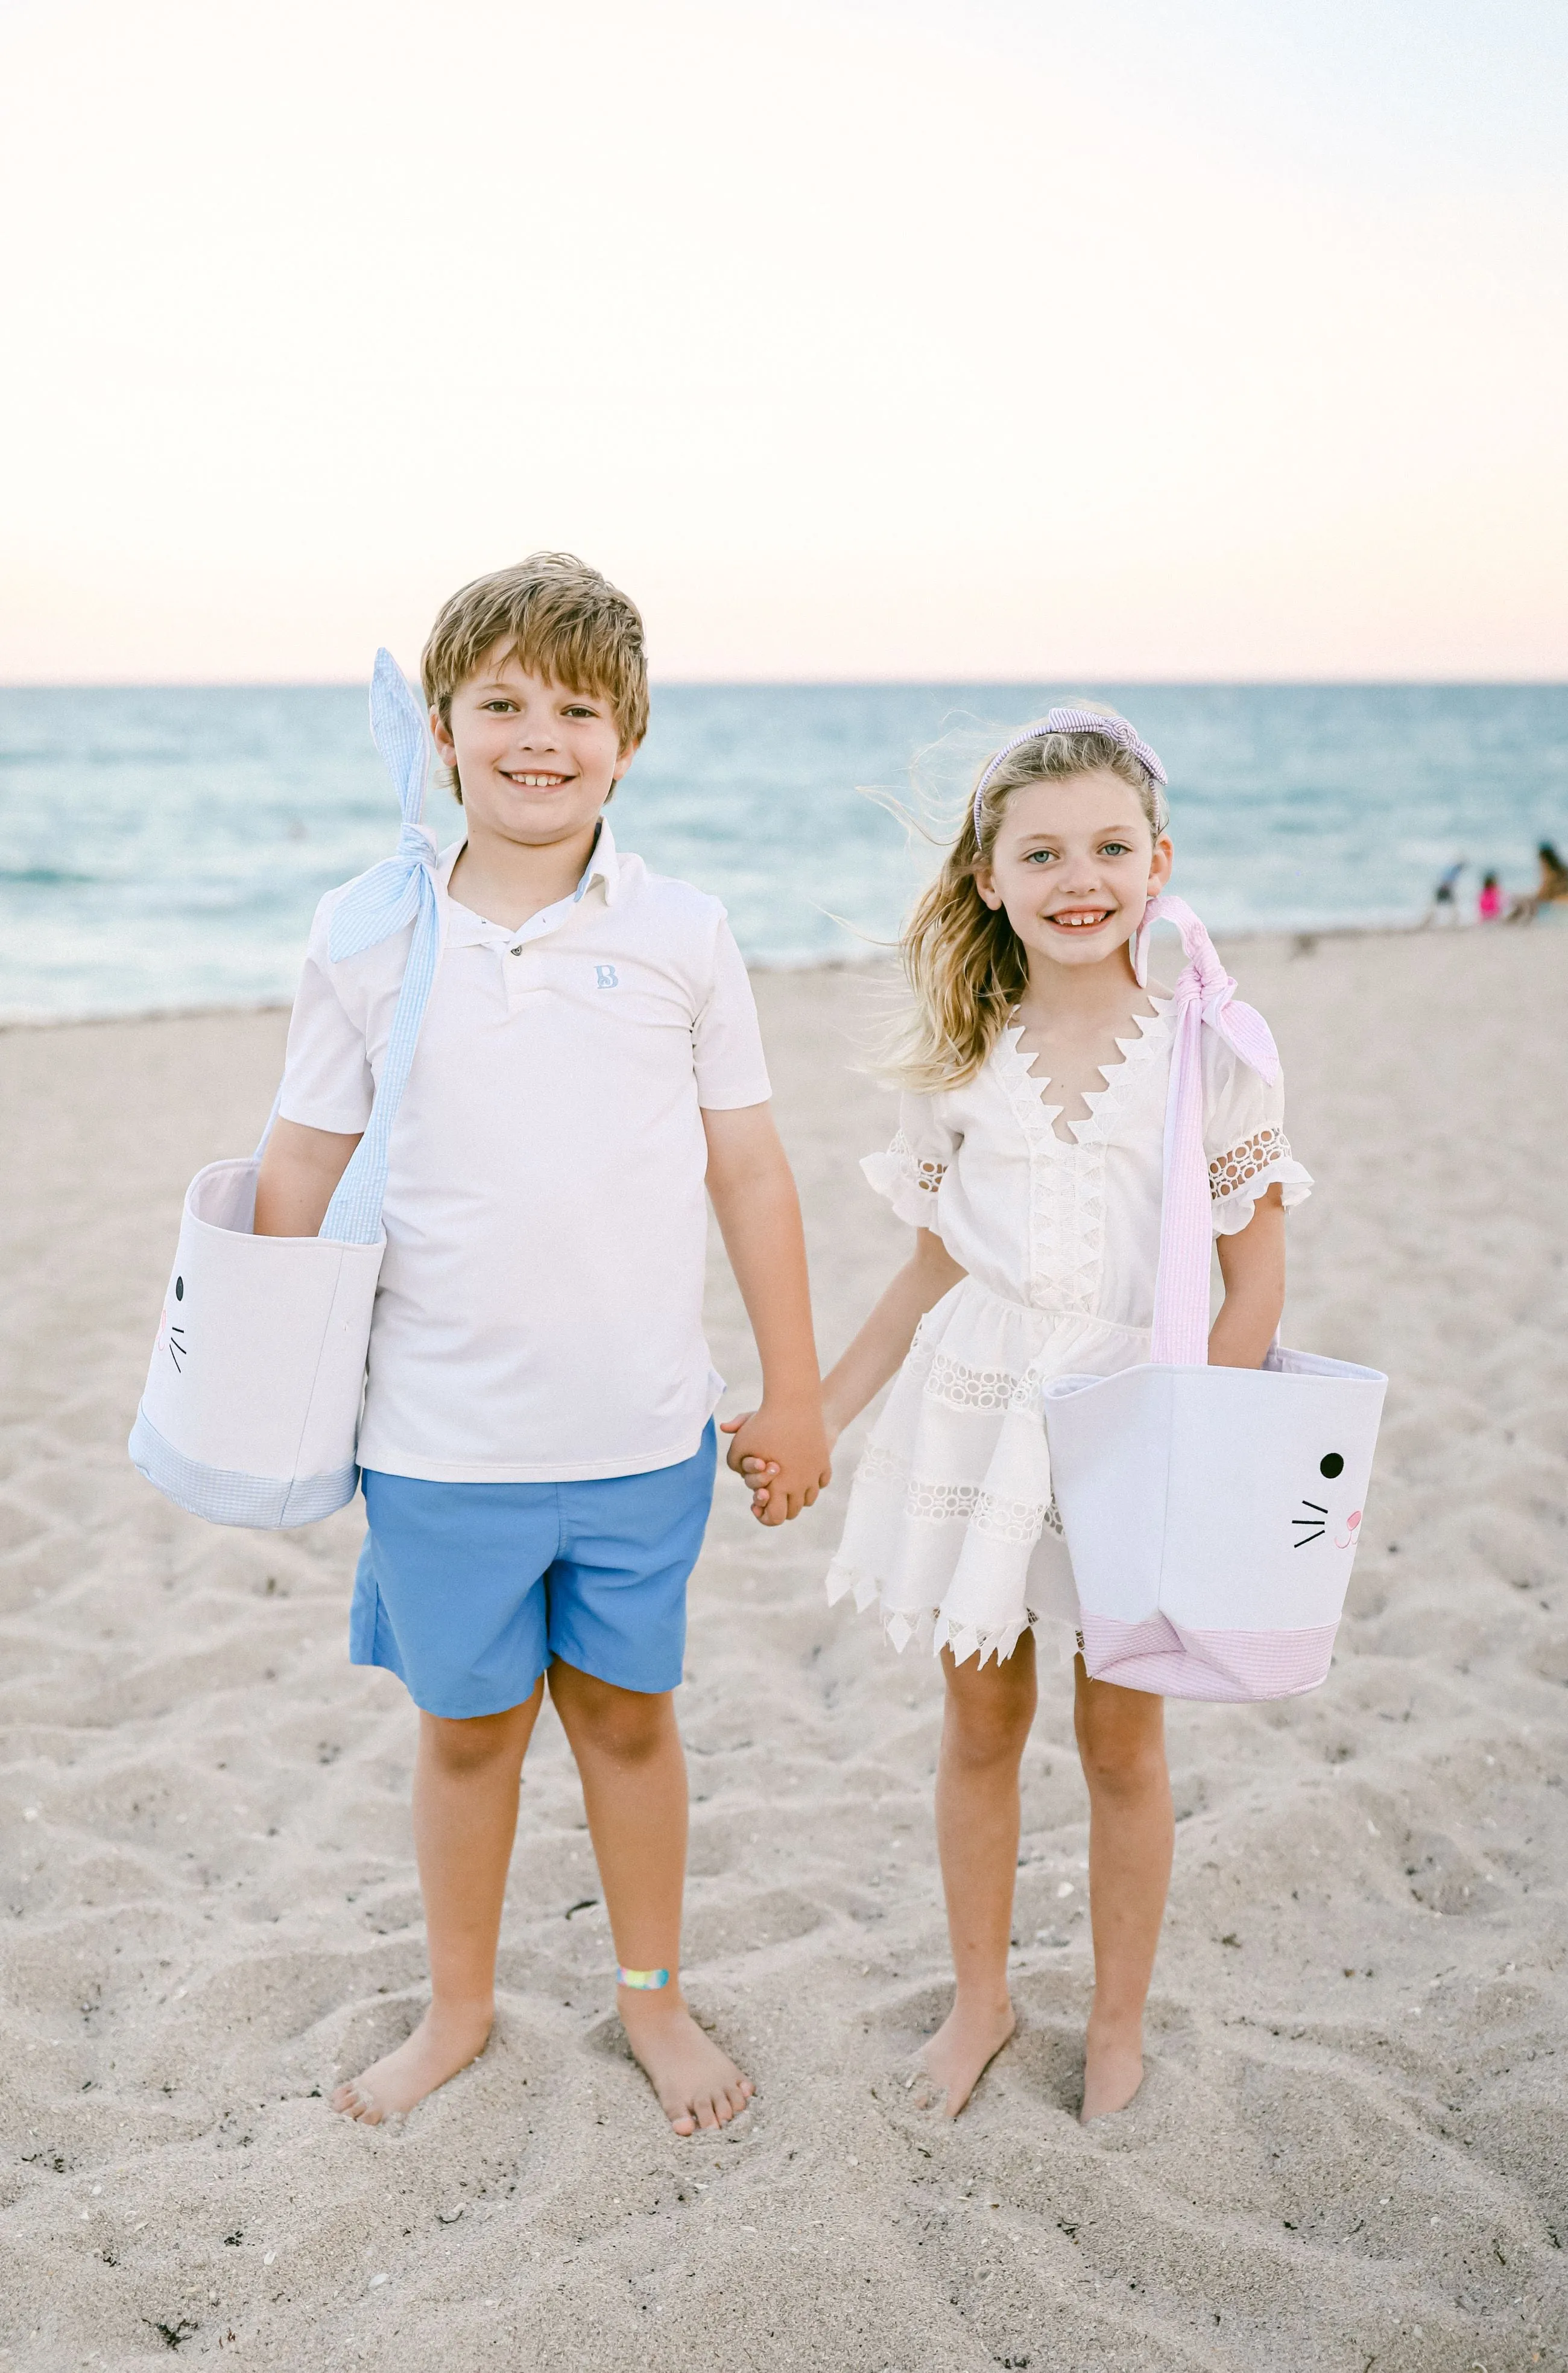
{"points": [[1211, 1515]]}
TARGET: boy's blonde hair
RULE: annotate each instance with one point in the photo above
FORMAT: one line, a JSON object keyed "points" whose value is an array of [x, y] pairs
{"points": [[964, 961], [558, 618]]}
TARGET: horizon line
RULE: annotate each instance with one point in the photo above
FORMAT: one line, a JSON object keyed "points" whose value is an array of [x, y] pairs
{"points": [[845, 682]]}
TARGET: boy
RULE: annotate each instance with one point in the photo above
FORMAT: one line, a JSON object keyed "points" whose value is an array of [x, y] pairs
{"points": [[537, 1443]]}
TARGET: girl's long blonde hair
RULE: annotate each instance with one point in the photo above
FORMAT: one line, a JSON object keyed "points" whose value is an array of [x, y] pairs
{"points": [[963, 961]]}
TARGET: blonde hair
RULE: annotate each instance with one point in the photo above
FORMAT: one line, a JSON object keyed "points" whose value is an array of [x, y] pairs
{"points": [[560, 620], [963, 959]]}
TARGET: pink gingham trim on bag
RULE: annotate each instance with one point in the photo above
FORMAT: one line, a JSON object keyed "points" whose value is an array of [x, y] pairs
{"points": [[1075, 720], [1176, 1661], [1204, 997]]}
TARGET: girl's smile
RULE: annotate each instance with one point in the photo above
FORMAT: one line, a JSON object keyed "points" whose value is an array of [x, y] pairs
{"points": [[1079, 918]]}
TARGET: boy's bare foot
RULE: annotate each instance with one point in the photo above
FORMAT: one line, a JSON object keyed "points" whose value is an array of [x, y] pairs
{"points": [[1113, 2070], [959, 2051], [697, 2085], [443, 2042]]}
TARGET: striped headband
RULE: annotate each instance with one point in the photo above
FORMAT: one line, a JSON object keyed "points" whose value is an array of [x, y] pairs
{"points": [[1078, 721]]}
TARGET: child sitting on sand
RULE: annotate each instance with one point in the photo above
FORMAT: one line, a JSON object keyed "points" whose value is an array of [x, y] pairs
{"points": [[537, 1441], [1029, 1160]]}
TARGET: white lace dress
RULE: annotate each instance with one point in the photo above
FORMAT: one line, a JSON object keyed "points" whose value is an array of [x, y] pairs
{"points": [[951, 1525]]}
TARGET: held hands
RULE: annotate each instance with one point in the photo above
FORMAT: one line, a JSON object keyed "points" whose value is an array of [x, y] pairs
{"points": [[782, 1451]]}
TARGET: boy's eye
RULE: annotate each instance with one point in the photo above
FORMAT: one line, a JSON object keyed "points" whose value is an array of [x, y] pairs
{"points": [[499, 707], [581, 710]]}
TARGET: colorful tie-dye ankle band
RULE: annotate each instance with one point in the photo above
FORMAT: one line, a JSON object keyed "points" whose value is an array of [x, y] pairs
{"points": [[643, 1981]]}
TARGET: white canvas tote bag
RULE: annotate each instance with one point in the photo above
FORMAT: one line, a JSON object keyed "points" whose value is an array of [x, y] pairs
{"points": [[251, 1412], [1211, 1515]]}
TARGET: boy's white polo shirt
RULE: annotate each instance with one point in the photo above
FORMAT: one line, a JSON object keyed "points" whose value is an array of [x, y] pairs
{"points": [[539, 1311]]}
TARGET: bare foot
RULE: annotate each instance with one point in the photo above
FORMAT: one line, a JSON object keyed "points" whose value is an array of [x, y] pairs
{"points": [[959, 2051], [443, 2042], [1113, 2070], [697, 2085]]}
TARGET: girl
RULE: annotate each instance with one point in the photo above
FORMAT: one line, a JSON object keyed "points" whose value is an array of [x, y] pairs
{"points": [[1029, 1160]]}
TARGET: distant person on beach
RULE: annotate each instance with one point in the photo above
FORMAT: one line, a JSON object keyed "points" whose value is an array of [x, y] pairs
{"points": [[1552, 886], [537, 1443], [1491, 905], [1444, 907], [1028, 1159]]}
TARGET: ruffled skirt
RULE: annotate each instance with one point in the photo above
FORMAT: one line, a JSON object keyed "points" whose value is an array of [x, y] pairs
{"points": [[951, 1529]]}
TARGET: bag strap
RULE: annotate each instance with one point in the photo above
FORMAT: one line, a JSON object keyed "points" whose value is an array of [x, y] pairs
{"points": [[401, 890], [1204, 996]]}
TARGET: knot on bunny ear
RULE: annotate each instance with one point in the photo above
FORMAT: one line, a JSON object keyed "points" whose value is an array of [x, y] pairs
{"points": [[1206, 986], [393, 893]]}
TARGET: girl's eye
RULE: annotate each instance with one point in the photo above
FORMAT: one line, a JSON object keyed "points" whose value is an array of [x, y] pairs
{"points": [[1114, 848], [1043, 854]]}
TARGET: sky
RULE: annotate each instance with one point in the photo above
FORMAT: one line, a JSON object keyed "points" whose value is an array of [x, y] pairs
{"points": [[1043, 340]]}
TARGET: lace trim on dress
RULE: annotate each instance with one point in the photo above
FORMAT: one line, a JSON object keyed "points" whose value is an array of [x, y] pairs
{"points": [[990, 1390], [1020, 1521], [931, 1628], [1067, 1176], [1231, 1172], [925, 1177]]}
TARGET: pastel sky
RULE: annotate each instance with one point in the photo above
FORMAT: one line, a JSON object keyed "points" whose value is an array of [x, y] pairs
{"points": [[1065, 339]]}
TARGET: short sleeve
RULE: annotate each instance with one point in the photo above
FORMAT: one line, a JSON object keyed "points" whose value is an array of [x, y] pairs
{"points": [[1244, 1137], [726, 1040], [910, 1172], [327, 1079]]}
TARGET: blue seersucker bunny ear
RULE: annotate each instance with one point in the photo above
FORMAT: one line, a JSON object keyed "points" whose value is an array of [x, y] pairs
{"points": [[399, 891], [401, 732], [394, 892]]}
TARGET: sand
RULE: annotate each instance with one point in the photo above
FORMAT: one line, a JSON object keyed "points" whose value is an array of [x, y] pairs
{"points": [[1351, 2148]]}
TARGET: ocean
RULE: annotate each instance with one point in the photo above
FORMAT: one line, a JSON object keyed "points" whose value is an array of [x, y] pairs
{"points": [[163, 848]]}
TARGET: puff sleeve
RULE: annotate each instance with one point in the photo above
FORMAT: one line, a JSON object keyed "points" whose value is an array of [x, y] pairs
{"points": [[910, 1172], [1244, 1137]]}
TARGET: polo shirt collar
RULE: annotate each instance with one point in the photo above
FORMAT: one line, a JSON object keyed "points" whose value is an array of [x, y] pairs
{"points": [[467, 928], [603, 866]]}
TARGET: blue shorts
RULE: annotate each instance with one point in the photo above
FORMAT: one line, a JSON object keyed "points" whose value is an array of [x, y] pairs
{"points": [[468, 1591]]}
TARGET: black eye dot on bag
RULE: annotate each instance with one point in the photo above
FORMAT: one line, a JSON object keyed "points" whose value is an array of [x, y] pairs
{"points": [[1331, 1465], [179, 1289]]}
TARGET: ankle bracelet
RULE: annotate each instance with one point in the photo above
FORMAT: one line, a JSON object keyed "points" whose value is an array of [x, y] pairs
{"points": [[648, 1982]]}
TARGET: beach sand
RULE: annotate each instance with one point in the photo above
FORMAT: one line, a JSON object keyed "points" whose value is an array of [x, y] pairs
{"points": [[1350, 2150]]}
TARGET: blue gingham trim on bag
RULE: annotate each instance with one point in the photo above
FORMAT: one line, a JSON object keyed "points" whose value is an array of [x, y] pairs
{"points": [[401, 890], [225, 1497]]}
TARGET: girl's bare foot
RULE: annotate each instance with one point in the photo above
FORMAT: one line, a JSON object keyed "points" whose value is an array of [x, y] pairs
{"points": [[961, 2051], [443, 2042], [1112, 2069], [697, 2085]]}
